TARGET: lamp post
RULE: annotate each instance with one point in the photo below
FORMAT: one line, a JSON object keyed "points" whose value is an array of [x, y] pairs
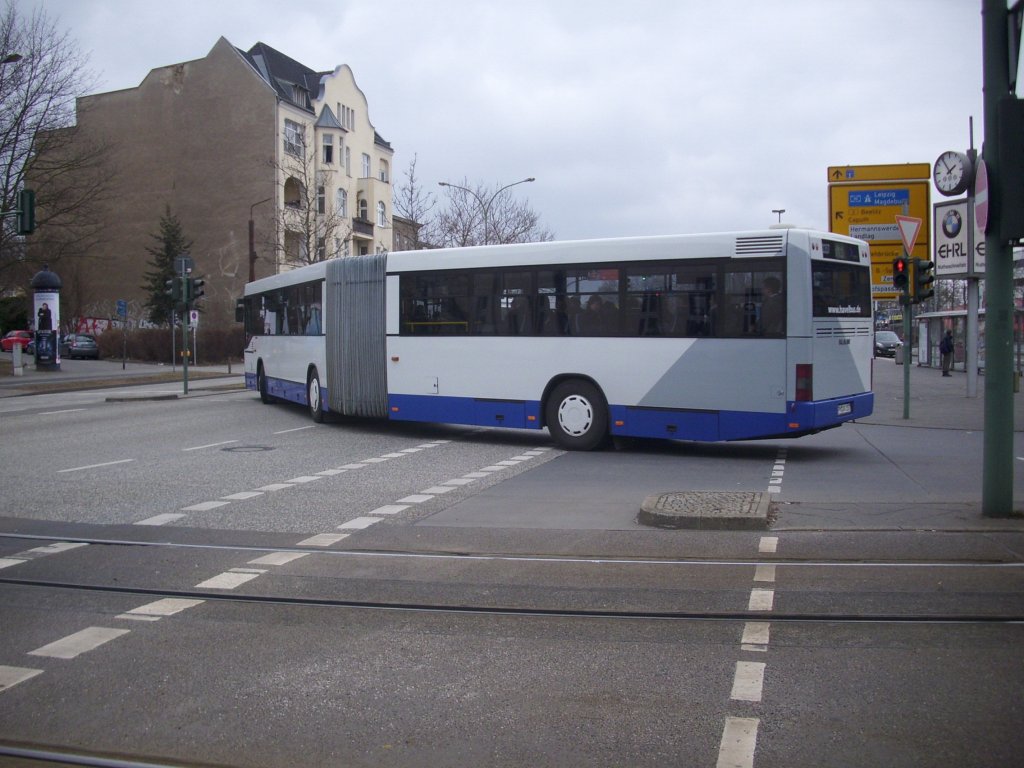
{"points": [[485, 207], [252, 241], [779, 212]]}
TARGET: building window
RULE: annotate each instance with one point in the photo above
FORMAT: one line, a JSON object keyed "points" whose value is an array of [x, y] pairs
{"points": [[328, 149], [294, 138], [382, 218], [348, 161], [341, 203], [321, 200], [384, 171], [366, 166], [364, 209]]}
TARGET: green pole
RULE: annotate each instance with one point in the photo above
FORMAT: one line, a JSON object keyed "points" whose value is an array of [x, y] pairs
{"points": [[184, 331], [997, 474], [908, 349]]}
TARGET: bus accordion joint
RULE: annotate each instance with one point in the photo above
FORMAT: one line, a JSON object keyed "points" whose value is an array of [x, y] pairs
{"points": [[804, 382]]}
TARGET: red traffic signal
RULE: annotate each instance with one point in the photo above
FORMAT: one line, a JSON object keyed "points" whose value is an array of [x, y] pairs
{"points": [[901, 274]]}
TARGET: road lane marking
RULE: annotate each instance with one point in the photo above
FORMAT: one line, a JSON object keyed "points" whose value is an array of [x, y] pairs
{"points": [[303, 479], [389, 509], [11, 676], [322, 540], [756, 636], [436, 490], [54, 549], [56, 413], [278, 558], [739, 740], [360, 522], [210, 445], [416, 498], [296, 429], [168, 517], [761, 599], [205, 506], [242, 496], [748, 682], [764, 572], [96, 466], [458, 481], [331, 472], [275, 487], [160, 608], [227, 580], [351, 466], [80, 642], [768, 545], [7, 562]]}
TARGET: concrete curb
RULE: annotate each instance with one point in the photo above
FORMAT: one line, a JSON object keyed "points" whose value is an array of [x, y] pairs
{"points": [[706, 510]]}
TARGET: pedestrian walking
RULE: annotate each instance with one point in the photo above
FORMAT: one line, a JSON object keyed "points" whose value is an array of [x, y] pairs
{"points": [[946, 349]]}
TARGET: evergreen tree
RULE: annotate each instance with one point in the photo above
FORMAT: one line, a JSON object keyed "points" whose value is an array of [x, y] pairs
{"points": [[170, 244]]}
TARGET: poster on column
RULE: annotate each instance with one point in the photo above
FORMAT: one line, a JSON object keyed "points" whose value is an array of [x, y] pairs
{"points": [[47, 313]]}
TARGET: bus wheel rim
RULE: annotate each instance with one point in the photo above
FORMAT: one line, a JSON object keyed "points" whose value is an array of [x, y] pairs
{"points": [[314, 394], [575, 415]]}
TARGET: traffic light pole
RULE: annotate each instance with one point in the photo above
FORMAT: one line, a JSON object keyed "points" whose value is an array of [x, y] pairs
{"points": [[908, 349], [997, 472]]}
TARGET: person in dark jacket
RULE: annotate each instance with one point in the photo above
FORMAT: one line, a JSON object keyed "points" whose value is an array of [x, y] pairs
{"points": [[946, 350]]}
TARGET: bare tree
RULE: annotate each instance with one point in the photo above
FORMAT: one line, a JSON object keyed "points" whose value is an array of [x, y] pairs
{"points": [[311, 221], [413, 202], [478, 215], [41, 73]]}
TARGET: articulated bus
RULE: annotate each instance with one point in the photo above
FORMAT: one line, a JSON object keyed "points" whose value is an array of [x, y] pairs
{"points": [[730, 336]]}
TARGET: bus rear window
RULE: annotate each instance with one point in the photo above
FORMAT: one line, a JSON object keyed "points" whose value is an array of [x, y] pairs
{"points": [[840, 290]]}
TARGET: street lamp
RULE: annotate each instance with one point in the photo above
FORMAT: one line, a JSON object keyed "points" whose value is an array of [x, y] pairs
{"points": [[485, 207], [779, 211], [252, 240]]}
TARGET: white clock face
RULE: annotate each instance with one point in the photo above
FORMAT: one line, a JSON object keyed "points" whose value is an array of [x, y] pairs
{"points": [[951, 173]]}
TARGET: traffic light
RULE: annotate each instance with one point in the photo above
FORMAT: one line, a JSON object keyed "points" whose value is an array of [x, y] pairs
{"points": [[924, 280], [900, 274], [196, 290], [174, 289], [26, 212]]}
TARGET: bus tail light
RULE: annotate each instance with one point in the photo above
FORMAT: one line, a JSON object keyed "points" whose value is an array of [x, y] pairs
{"points": [[804, 382]]}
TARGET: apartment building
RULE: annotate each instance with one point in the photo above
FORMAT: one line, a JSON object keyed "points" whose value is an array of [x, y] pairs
{"points": [[233, 137]]}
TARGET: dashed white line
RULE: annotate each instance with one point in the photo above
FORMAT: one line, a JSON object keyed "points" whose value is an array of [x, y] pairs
{"points": [[761, 600], [322, 540], [57, 413], [96, 466], [768, 544], [169, 517], [210, 445], [416, 498], [278, 558], [7, 562], [80, 642], [168, 606], [389, 509], [739, 740], [360, 522], [227, 580], [756, 636], [764, 572], [11, 676], [275, 487], [748, 682], [437, 490], [243, 495], [296, 429], [303, 479], [205, 506]]}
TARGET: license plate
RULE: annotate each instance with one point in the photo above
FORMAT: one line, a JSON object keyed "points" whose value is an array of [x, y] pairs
{"points": [[845, 409]]}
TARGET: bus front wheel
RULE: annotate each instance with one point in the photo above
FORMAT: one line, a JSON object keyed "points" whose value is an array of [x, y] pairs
{"points": [[314, 396], [261, 386], [577, 416]]}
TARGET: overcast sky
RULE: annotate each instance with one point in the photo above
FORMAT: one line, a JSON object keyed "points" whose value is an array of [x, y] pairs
{"points": [[639, 117]]}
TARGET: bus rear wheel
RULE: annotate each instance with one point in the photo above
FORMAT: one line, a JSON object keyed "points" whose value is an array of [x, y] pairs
{"points": [[577, 416], [314, 396]]}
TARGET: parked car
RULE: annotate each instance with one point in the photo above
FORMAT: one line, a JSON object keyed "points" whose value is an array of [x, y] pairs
{"points": [[80, 345], [886, 344], [16, 337]]}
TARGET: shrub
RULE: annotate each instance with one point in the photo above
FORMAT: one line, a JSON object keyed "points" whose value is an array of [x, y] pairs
{"points": [[154, 345]]}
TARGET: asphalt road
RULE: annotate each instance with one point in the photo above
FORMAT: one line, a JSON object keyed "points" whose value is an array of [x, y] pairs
{"points": [[208, 580]]}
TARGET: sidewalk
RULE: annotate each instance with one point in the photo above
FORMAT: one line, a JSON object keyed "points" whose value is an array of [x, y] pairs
{"points": [[935, 401], [97, 374]]}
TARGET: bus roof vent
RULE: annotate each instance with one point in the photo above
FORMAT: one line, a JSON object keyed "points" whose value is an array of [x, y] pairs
{"points": [[761, 245]]}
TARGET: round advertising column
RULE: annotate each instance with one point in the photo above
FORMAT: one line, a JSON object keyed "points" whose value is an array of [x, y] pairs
{"points": [[46, 300]]}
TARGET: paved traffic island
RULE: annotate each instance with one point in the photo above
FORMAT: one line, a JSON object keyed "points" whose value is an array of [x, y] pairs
{"points": [[707, 510]]}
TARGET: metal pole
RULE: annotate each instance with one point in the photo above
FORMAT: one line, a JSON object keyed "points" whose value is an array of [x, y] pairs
{"points": [[997, 474], [908, 354]]}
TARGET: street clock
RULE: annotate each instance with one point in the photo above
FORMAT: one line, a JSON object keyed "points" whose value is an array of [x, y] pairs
{"points": [[953, 173]]}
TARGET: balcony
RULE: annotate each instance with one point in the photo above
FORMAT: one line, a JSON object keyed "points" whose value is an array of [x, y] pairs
{"points": [[362, 228]]}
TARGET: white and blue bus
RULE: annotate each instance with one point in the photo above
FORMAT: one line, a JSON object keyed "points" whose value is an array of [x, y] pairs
{"points": [[730, 336]]}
